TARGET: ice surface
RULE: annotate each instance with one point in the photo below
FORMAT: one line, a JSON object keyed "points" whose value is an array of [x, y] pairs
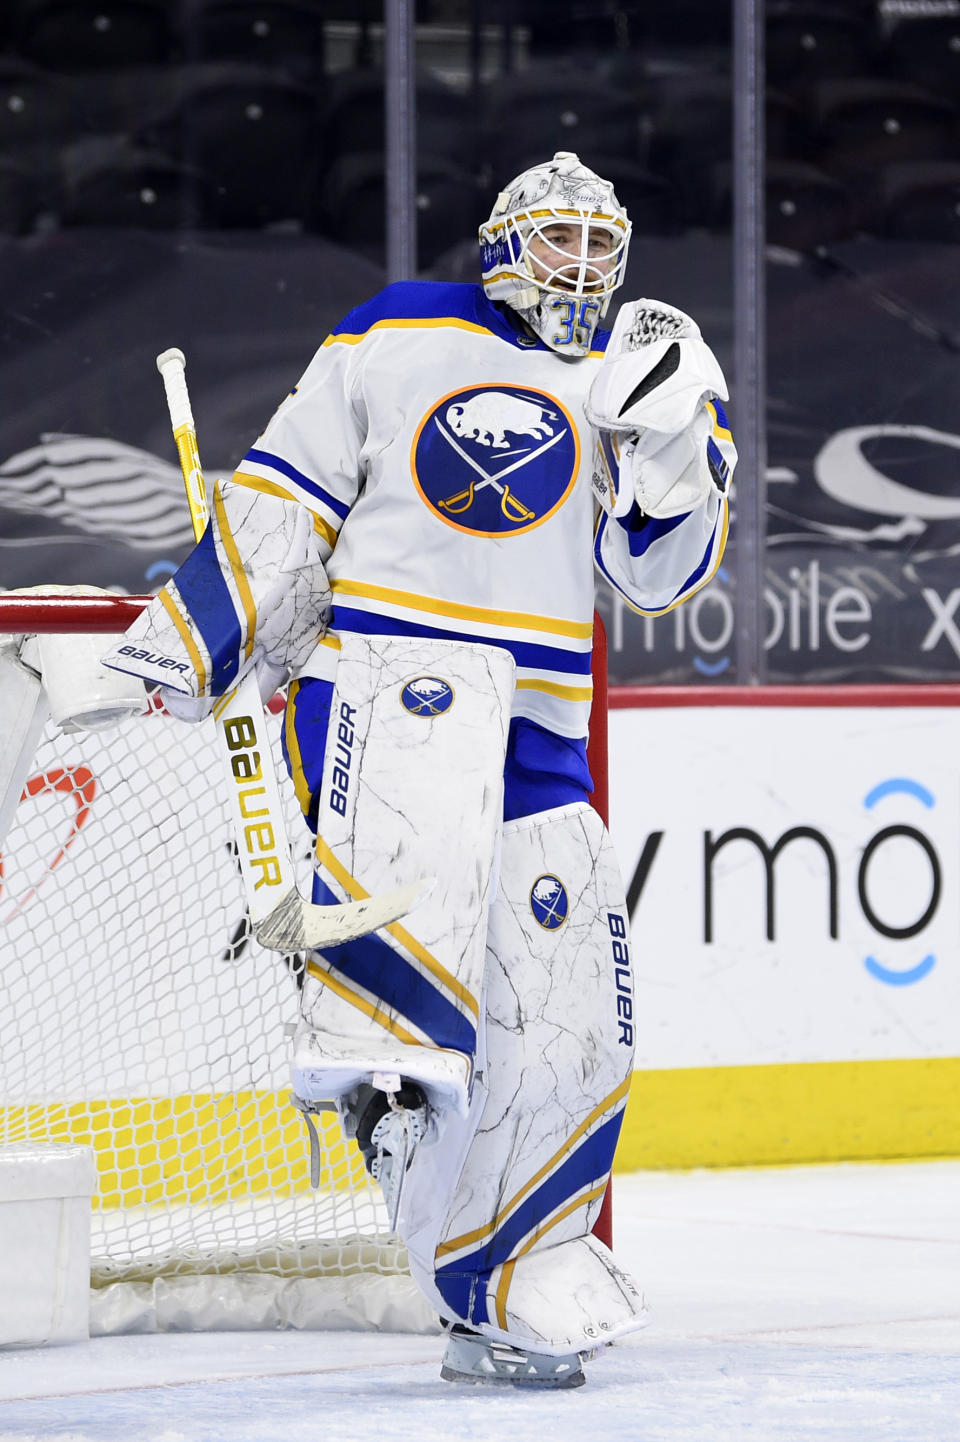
{"points": [[789, 1305]]}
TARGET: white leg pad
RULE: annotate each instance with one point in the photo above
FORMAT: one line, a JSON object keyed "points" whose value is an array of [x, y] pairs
{"points": [[412, 787], [569, 1298], [497, 1215]]}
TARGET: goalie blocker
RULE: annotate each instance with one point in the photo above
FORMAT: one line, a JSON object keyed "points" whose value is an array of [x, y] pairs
{"points": [[506, 996]]}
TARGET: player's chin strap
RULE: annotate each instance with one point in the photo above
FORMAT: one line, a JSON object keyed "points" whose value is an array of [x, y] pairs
{"points": [[281, 918]]}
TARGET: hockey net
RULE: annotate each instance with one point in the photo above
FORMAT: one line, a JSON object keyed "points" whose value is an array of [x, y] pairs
{"points": [[142, 1019]]}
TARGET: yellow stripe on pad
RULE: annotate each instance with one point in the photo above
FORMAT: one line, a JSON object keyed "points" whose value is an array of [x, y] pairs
{"points": [[347, 994], [718, 430], [454, 1244], [436, 968], [506, 1274], [183, 631], [353, 888], [300, 787], [270, 488]]}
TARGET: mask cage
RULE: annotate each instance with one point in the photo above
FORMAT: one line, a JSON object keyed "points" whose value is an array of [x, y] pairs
{"points": [[576, 272]]}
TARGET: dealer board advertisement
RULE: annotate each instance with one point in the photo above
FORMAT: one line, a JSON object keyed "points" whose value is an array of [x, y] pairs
{"points": [[793, 881]]}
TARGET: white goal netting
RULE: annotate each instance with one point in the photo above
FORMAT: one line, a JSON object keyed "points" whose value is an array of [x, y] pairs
{"points": [[142, 1019]]}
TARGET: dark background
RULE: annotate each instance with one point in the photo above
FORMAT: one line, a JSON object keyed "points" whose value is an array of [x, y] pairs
{"points": [[211, 175]]}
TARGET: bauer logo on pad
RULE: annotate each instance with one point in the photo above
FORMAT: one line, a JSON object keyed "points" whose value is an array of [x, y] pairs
{"points": [[427, 696], [549, 902]]}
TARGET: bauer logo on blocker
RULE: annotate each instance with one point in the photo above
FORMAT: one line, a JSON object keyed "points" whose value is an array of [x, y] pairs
{"points": [[427, 696], [495, 460]]}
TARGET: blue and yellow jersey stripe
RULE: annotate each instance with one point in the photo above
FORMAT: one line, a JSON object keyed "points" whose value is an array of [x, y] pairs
{"points": [[552, 654]]}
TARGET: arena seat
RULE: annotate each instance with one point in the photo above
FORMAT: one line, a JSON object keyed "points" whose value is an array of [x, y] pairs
{"points": [[18, 200], [803, 207], [925, 49], [860, 124], [287, 34], [353, 203], [252, 131], [115, 184], [919, 201], [72, 35], [353, 121], [546, 111], [809, 41]]}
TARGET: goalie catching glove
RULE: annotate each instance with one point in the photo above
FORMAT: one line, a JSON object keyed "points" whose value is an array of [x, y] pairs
{"points": [[663, 442]]}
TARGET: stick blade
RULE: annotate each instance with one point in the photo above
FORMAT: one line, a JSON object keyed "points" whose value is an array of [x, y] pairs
{"points": [[298, 925]]}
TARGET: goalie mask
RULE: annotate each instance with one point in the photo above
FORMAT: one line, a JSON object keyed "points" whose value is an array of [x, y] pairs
{"points": [[555, 250]]}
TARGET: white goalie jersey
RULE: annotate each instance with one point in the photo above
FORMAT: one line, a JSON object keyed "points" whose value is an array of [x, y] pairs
{"points": [[452, 476], [465, 442]]}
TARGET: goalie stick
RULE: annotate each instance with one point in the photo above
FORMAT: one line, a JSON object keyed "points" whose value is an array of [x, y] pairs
{"points": [[281, 919]]}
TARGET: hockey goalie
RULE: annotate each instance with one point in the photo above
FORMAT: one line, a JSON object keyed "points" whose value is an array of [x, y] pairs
{"points": [[412, 543]]}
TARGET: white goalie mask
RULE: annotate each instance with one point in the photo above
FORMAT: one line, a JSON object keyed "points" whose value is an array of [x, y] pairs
{"points": [[555, 250]]}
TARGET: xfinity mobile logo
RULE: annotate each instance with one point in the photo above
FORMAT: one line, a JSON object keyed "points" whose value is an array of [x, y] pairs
{"points": [[873, 900]]}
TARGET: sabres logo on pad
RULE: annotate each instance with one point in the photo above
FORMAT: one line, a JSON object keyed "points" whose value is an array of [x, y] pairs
{"points": [[495, 460], [549, 902], [427, 696]]}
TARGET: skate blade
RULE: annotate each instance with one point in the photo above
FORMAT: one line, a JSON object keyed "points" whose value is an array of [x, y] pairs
{"points": [[477, 1361], [571, 1379]]}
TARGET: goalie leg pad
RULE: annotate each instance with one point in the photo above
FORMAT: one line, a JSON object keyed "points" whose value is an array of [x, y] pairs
{"points": [[497, 1217], [412, 786]]}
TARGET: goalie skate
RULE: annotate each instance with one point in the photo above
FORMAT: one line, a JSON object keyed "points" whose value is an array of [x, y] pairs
{"points": [[389, 1120], [478, 1361]]}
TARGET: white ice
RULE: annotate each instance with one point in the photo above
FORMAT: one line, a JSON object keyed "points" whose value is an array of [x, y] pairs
{"points": [[788, 1304]]}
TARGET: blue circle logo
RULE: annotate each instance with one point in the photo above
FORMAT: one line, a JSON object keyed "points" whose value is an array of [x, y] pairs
{"points": [[549, 902], [427, 696], [495, 460]]}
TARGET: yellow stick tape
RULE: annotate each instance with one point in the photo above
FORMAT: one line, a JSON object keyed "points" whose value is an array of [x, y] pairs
{"points": [[203, 1149], [804, 1112]]}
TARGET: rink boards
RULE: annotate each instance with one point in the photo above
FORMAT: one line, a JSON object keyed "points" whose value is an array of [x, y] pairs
{"points": [[792, 860], [792, 857]]}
